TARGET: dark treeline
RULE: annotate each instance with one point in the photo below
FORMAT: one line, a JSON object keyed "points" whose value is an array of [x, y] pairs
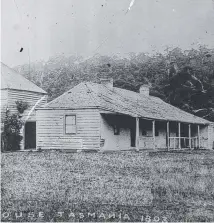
{"points": [[184, 79]]}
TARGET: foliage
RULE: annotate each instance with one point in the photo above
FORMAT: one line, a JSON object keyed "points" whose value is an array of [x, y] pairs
{"points": [[21, 106], [191, 83], [183, 78], [12, 124], [10, 136]]}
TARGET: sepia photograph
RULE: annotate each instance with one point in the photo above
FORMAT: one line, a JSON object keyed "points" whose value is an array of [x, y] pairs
{"points": [[107, 110]]}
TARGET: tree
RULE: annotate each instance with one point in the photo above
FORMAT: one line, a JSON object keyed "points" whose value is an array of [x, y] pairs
{"points": [[10, 136], [184, 79], [12, 124]]}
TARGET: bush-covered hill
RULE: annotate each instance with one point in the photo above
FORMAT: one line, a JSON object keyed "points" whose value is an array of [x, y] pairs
{"points": [[183, 78]]}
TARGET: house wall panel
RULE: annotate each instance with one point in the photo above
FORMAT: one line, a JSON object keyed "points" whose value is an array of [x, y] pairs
{"points": [[4, 98], [147, 142], [30, 97], [207, 136], [51, 129], [211, 136], [203, 135], [114, 142]]}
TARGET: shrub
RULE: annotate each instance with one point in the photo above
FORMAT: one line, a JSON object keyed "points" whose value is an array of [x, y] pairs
{"points": [[10, 136], [21, 106]]}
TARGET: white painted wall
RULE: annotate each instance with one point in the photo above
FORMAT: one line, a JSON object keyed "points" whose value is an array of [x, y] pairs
{"points": [[114, 142], [147, 142], [210, 136], [123, 140]]}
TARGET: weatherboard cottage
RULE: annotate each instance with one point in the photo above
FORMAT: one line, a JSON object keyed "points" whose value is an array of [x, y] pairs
{"points": [[101, 117], [14, 87]]}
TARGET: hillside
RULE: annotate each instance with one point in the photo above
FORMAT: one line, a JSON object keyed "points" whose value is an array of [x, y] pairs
{"points": [[184, 79]]}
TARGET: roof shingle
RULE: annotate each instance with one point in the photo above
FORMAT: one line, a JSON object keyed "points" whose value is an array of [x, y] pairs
{"points": [[10, 79], [88, 95]]}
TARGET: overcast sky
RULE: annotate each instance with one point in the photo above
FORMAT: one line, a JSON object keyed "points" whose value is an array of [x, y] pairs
{"points": [[45, 28]]}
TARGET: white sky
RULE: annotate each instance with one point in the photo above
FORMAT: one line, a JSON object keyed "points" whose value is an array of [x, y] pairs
{"points": [[46, 28]]}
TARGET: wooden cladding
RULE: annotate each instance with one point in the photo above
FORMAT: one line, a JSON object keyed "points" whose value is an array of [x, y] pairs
{"points": [[30, 97], [51, 128]]}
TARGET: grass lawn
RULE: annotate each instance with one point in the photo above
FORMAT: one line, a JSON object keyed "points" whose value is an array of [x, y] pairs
{"points": [[125, 186]]}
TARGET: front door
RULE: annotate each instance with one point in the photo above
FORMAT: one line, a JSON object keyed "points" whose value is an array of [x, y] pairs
{"points": [[30, 135], [184, 133], [133, 136]]}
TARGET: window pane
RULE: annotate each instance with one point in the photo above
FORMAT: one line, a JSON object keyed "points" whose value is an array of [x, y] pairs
{"points": [[144, 132], [70, 129], [70, 119], [156, 132]]}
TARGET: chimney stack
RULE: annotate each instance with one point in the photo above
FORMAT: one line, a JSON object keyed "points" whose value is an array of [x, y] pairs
{"points": [[144, 89], [108, 82]]}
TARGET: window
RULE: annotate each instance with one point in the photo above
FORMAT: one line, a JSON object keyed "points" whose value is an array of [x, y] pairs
{"points": [[156, 132], [70, 124], [116, 130], [144, 132]]}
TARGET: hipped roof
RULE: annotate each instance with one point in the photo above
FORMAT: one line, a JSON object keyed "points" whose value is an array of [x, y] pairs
{"points": [[10, 79], [117, 100]]}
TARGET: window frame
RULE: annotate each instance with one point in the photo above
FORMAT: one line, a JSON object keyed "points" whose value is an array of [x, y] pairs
{"points": [[64, 126], [116, 130]]}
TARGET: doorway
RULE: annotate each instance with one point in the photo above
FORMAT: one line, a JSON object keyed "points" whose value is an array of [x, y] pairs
{"points": [[30, 135], [133, 136]]}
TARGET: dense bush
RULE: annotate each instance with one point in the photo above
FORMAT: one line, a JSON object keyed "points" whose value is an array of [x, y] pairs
{"points": [[10, 136], [21, 106], [184, 79], [12, 124]]}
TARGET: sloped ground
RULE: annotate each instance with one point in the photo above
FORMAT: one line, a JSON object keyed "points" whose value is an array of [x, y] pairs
{"points": [[161, 186]]}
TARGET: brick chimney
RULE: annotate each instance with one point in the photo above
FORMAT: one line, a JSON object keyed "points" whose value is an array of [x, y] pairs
{"points": [[108, 82], [144, 89]]}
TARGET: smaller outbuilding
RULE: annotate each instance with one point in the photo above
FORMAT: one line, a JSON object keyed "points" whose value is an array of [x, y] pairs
{"points": [[101, 117], [14, 87]]}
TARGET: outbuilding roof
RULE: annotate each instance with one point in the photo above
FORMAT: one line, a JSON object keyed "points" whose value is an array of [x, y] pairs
{"points": [[117, 100], [10, 79]]}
